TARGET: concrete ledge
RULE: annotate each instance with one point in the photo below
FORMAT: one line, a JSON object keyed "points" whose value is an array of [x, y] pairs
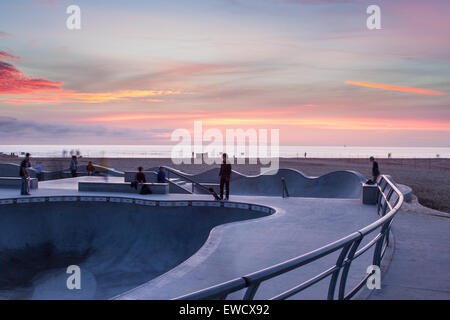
{"points": [[370, 193], [150, 176], [156, 188], [16, 182]]}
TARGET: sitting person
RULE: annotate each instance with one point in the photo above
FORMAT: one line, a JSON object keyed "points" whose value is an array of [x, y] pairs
{"points": [[375, 171], [90, 169], [140, 178], [161, 175]]}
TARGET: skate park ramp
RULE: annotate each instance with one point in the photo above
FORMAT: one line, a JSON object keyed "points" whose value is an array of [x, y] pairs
{"points": [[117, 246], [337, 184]]}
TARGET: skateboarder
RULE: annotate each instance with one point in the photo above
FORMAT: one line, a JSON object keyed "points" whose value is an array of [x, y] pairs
{"points": [[225, 174]]}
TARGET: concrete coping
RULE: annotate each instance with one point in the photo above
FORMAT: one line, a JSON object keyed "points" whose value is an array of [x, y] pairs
{"points": [[158, 188], [140, 201]]}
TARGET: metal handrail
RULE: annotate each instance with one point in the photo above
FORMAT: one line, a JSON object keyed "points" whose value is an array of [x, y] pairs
{"points": [[348, 247], [170, 170]]}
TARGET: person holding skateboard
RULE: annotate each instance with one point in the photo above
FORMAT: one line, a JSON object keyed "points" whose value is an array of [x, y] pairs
{"points": [[225, 174]]}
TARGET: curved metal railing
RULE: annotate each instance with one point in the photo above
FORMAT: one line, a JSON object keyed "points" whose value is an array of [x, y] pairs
{"points": [[390, 199]]}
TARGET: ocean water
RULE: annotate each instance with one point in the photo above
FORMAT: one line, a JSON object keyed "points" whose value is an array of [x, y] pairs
{"points": [[165, 151]]}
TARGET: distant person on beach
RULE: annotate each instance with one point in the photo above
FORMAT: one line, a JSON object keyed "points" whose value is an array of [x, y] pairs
{"points": [[90, 169], [225, 174], [161, 175], [25, 186], [375, 170], [74, 166]]}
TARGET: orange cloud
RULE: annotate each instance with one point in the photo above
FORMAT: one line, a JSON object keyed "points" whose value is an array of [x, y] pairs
{"points": [[67, 96], [396, 88]]}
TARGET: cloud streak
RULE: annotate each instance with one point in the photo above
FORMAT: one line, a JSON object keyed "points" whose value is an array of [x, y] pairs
{"points": [[29, 130], [396, 88]]}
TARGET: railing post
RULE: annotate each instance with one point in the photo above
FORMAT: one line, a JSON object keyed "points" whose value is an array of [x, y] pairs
{"points": [[251, 291], [379, 246], [335, 275], [348, 262]]}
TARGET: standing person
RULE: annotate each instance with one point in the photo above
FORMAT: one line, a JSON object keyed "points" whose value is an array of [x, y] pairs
{"points": [[375, 169], [74, 166], [225, 174], [25, 188], [161, 175], [90, 169]]}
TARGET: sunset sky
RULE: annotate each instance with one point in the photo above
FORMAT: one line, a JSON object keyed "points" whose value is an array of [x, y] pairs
{"points": [[137, 70]]}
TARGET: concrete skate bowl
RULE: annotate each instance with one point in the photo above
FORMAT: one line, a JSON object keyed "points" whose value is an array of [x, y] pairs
{"points": [[118, 243], [337, 184]]}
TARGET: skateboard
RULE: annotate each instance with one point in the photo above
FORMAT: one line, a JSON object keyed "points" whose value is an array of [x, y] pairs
{"points": [[216, 197]]}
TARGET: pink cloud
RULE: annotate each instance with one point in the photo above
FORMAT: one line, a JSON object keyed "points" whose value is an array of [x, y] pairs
{"points": [[14, 81], [6, 56], [4, 34]]}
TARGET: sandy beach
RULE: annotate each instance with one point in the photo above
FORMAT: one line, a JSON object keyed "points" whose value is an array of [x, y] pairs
{"points": [[429, 178]]}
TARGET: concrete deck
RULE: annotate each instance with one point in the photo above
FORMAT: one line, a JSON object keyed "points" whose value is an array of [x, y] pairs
{"points": [[419, 267]]}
